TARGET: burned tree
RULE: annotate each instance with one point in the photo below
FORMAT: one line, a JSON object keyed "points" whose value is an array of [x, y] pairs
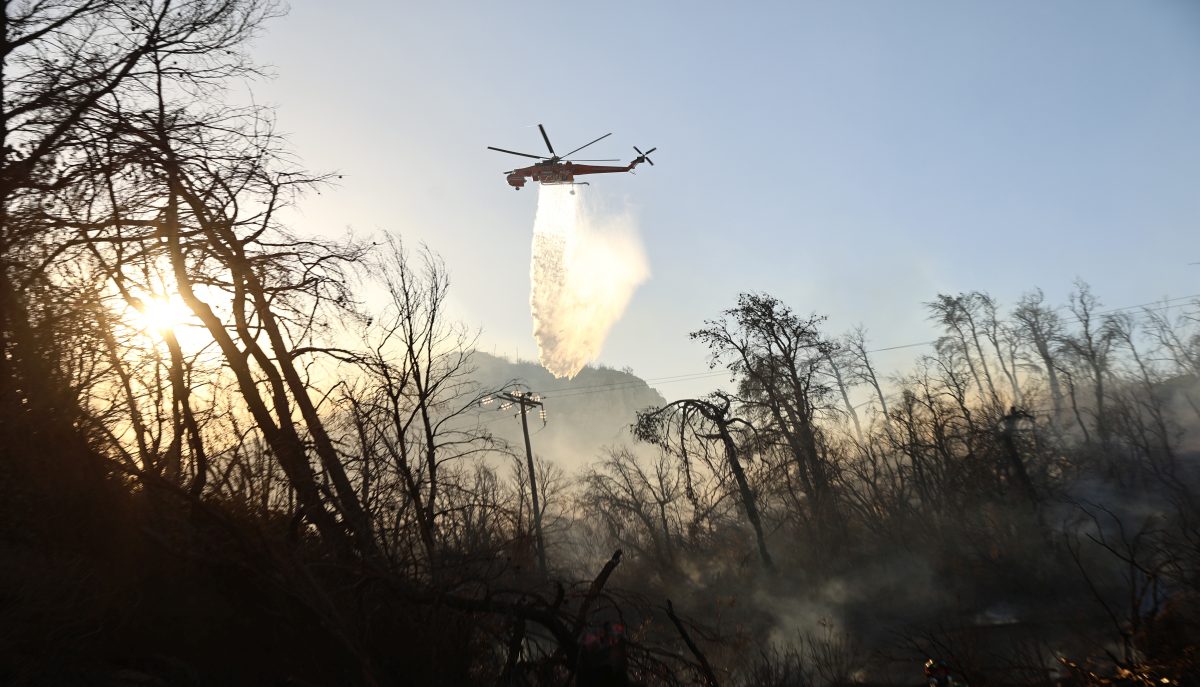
{"points": [[689, 429], [1042, 328], [962, 318], [778, 360]]}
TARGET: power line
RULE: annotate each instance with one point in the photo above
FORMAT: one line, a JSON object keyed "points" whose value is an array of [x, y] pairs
{"points": [[1073, 319], [633, 383], [896, 348], [566, 392], [1160, 303]]}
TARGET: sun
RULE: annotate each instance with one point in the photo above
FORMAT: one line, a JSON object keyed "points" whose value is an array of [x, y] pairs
{"points": [[158, 314]]}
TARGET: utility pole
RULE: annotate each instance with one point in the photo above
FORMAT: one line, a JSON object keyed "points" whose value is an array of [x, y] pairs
{"points": [[527, 400]]}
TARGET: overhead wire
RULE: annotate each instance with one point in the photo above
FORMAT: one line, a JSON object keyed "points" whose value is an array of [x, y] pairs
{"points": [[566, 392]]}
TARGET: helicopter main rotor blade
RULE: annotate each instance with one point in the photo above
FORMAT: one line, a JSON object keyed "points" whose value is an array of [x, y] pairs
{"points": [[513, 152], [547, 139], [613, 159], [587, 144]]}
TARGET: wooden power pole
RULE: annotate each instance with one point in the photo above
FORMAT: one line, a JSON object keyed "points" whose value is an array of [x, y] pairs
{"points": [[527, 400]]}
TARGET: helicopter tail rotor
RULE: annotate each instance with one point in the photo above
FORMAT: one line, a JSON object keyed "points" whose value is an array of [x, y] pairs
{"points": [[646, 155]]}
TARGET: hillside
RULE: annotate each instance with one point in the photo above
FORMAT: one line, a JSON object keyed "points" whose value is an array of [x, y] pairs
{"points": [[583, 415]]}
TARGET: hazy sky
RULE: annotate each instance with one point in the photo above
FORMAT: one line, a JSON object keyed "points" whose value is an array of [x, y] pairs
{"points": [[851, 158]]}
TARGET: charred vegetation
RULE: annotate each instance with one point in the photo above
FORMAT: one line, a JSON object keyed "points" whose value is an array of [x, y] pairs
{"points": [[281, 484]]}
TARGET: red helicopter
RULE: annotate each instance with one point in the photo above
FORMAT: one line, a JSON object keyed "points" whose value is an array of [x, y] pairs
{"points": [[557, 169]]}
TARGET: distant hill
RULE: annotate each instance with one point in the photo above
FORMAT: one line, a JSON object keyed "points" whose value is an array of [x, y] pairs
{"points": [[584, 414]]}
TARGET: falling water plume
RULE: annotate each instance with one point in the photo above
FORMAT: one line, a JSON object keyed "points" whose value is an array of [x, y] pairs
{"points": [[585, 268]]}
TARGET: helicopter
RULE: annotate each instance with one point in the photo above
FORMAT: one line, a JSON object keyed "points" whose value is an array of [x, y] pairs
{"points": [[558, 169]]}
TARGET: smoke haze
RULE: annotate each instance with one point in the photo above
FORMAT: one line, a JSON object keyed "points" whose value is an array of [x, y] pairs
{"points": [[584, 270]]}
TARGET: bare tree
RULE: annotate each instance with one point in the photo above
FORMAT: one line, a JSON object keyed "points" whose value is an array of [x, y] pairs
{"points": [[1043, 328], [689, 427], [640, 505], [998, 335], [1090, 348], [419, 391], [855, 344], [959, 315], [777, 359], [62, 64], [837, 361]]}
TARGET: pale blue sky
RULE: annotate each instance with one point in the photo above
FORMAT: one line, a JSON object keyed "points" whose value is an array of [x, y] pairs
{"points": [[851, 158]]}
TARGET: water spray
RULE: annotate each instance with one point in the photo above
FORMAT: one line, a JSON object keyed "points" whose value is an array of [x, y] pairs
{"points": [[584, 270]]}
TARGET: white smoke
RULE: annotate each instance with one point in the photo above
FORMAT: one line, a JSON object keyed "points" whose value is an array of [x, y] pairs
{"points": [[585, 268]]}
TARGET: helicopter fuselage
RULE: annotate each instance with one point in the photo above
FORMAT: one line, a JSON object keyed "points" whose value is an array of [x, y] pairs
{"points": [[550, 173]]}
